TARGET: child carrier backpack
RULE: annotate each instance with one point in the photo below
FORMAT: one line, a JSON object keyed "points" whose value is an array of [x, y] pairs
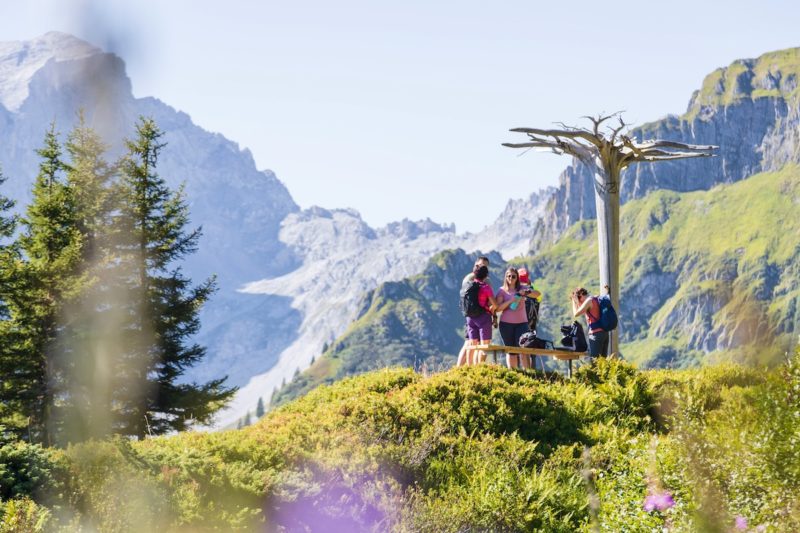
{"points": [[469, 299], [607, 320], [574, 338], [532, 311]]}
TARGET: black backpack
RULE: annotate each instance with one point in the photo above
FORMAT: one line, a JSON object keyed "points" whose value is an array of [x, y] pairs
{"points": [[469, 299], [530, 340], [574, 338]]}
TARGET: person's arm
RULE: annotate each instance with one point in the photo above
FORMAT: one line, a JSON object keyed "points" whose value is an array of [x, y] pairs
{"points": [[532, 293], [502, 303], [493, 304], [578, 310]]}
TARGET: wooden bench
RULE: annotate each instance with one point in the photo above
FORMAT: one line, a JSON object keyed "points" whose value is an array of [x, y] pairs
{"points": [[561, 355]]}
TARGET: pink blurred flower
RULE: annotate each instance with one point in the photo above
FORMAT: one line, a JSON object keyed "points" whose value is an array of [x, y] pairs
{"points": [[658, 501], [740, 523]]}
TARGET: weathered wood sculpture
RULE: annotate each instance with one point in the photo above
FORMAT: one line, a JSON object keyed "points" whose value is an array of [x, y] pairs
{"points": [[607, 154]]}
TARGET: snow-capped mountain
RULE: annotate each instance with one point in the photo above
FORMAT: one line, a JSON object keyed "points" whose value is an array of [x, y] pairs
{"points": [[290, 280]]}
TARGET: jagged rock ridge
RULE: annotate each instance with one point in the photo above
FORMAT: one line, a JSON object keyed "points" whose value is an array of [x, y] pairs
{"points": [[749, 109]]}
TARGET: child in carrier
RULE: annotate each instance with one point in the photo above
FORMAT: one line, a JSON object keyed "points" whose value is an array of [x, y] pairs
{"points": [[531, 302]]}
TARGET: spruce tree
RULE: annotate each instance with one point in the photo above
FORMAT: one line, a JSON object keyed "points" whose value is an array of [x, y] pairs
{"points": [[8, 222], [89, 176], [46, 277], [12, 418], [260, 407], [91, 331], [149, 238]]}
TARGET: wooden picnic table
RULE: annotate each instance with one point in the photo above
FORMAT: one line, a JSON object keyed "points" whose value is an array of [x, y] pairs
{"points": [[561, 355]]}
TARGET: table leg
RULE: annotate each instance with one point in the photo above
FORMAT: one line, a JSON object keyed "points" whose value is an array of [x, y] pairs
{"points": [[569, 369]]}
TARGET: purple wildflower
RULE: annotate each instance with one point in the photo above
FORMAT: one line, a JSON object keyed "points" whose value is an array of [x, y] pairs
{"points": [[660, 501], [740, 523], [761, 528]]}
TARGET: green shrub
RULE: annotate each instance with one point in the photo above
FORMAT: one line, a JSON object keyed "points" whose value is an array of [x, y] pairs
{"points": [[28, 470], [23, 516], [471, 449]]}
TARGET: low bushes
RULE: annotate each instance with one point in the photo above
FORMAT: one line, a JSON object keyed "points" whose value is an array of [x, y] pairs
{"points": [[471, 449]]}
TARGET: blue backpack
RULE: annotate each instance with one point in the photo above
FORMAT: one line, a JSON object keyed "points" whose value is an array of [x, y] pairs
{"points": [[608, 315]]}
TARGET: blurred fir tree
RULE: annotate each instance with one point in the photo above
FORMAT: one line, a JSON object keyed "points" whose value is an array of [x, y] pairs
{"points": [[260, 408]]}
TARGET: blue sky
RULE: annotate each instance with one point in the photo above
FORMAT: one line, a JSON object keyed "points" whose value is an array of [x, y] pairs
{"points": [[398, 109]]}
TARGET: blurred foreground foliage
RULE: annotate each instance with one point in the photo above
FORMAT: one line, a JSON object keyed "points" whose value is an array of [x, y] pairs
{"points": [[470, 449]]}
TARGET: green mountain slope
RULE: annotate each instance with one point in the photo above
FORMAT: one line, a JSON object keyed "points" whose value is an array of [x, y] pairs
{"points": [[706, 276]]}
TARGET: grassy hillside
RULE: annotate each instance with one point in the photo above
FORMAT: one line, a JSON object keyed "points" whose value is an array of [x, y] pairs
{"points": [[475, 449]]}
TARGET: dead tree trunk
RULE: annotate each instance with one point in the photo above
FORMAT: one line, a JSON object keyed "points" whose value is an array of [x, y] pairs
{"points": [[606, 200], [607, 154]]}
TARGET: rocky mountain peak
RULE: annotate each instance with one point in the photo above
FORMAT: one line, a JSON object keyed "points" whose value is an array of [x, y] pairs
{"points": [[21, 60], [410, 229], [773, 74]]}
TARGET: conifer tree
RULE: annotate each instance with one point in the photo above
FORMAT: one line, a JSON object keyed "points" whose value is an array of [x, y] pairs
{"points": [[89, 176], [12, 417], [162, 305], [86, 409], [247, 420], [260, 407], [8, 223], [46, 277]]}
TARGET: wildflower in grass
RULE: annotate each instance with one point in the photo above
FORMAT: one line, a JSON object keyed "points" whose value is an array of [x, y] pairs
{"points": [[740, 524], [658, 501]]}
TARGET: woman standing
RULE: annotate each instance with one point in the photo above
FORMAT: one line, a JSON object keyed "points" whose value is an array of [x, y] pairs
{"points": [[514, 319], [583, 304]]}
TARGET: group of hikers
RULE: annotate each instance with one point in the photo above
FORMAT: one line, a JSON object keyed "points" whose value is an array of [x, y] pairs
{"points": [[517, 303]]}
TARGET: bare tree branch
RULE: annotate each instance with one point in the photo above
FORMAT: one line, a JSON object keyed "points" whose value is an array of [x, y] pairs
{"points": [[615, 131], [676, 155], [569, 133], [676, 145]]}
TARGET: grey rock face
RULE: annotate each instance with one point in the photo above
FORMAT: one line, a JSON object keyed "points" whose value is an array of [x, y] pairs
{"points": [[754, 133]]}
